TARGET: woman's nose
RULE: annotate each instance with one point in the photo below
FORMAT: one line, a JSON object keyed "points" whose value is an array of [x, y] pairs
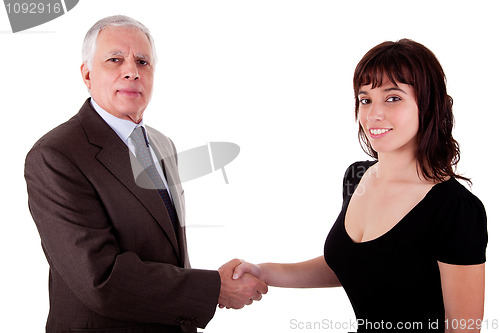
{"points": [[376, 112]]}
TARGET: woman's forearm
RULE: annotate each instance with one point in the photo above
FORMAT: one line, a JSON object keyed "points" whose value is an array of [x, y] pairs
{"points": [[314, 273]]}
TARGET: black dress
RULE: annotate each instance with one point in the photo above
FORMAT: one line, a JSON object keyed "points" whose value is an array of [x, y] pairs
{"points": [[393, 281]]}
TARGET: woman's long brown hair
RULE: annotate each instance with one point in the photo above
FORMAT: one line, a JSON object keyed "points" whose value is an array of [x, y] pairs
{"points": [[409, 62]]}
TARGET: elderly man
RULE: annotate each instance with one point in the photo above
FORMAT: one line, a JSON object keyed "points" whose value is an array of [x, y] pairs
{"points": [[116, 246]]}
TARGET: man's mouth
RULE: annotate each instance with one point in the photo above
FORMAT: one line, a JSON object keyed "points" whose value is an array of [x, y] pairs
{"points": [[129, 92]]}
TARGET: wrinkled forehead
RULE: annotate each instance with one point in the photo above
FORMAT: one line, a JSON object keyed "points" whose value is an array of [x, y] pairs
{"points": [[122, 38]]}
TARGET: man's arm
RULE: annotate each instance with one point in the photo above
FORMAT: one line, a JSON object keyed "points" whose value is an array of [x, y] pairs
{"points": [[82, 246]]}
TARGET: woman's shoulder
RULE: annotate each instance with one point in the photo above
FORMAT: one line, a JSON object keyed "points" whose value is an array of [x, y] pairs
{"points": [[357, 169], [451, 196], [452, 190], [353, 175]]}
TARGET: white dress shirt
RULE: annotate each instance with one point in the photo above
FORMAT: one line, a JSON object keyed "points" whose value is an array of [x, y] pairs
{"points": [[124, 128]]}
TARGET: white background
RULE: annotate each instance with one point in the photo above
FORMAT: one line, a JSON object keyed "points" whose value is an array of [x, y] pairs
{"points": [[274, 77]]}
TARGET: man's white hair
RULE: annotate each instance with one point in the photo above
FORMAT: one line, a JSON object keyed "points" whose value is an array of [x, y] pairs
{"points": [[90, 40]]}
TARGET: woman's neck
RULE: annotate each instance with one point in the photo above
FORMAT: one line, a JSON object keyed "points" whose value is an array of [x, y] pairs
{"points": [[401, 167]]}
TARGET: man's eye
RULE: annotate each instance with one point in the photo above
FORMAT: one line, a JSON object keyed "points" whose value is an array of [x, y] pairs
{"points": [[393, 99], [143, 62], [364, 101], [114, 60]]}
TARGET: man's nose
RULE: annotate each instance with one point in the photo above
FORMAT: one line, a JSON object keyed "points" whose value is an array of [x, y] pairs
{"points": [[130, 71]]}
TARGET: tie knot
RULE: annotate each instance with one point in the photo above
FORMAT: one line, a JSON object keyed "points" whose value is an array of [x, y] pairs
{"points": [[138, 136]]}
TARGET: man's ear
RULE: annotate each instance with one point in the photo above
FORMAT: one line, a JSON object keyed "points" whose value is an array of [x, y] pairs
{"points": [[85, 74]]}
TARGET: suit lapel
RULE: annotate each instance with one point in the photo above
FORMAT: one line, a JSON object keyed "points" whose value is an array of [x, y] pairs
{"points": [[166, 154], [115, 156]]}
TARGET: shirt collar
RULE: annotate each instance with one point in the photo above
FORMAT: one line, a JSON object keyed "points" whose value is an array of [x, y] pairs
{"points": [[123, 128]]}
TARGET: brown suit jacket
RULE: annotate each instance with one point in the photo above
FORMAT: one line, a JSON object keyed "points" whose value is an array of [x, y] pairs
{"points": [[115, 261]]}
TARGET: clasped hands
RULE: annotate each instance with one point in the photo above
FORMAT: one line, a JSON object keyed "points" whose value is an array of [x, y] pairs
{"points": [[241, 284]]}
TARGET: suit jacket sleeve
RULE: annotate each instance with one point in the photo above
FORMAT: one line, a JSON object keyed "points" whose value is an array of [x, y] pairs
{"points": [[83, 247]]}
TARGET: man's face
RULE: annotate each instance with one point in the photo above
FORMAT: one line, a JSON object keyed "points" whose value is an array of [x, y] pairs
{"points": [[121, 79]]}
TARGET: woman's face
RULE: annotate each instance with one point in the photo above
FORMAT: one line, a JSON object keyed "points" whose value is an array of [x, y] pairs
{"points": [[389, 117]]}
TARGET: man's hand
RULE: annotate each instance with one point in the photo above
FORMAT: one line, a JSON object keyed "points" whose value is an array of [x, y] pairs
{"points": [[238, 293]]}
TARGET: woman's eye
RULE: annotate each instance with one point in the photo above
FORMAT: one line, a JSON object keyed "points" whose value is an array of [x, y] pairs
{"points": [[364, 101], [393, 99]]}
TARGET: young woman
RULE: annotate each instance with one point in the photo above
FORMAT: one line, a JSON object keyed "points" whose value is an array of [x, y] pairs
{"points": [[409, 244]]}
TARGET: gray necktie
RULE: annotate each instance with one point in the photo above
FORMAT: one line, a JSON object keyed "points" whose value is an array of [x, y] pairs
{"points": [[143, 154]]}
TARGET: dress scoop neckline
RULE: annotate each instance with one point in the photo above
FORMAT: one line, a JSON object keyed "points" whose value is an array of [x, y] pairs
{"points": [[395, 226]]}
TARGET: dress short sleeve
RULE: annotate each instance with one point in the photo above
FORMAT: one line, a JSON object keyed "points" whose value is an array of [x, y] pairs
{"points": [[461, 235]]}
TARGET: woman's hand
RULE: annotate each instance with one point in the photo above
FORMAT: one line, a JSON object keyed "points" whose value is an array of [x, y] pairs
{"points": [[246, 267]]}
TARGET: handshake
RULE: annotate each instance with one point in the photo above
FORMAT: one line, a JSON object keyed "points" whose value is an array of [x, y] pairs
{"points": [[241, 284]]}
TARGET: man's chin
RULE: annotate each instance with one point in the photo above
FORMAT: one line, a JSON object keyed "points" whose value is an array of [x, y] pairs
{"points": [[132, 114]]}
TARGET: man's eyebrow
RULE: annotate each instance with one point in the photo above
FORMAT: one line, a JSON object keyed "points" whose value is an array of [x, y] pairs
{"points": [[120, 53], [114, 53], [142, 56]]}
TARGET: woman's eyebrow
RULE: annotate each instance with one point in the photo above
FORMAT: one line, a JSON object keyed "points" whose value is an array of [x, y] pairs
{"points": [[395, 88], [362, 92]]}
